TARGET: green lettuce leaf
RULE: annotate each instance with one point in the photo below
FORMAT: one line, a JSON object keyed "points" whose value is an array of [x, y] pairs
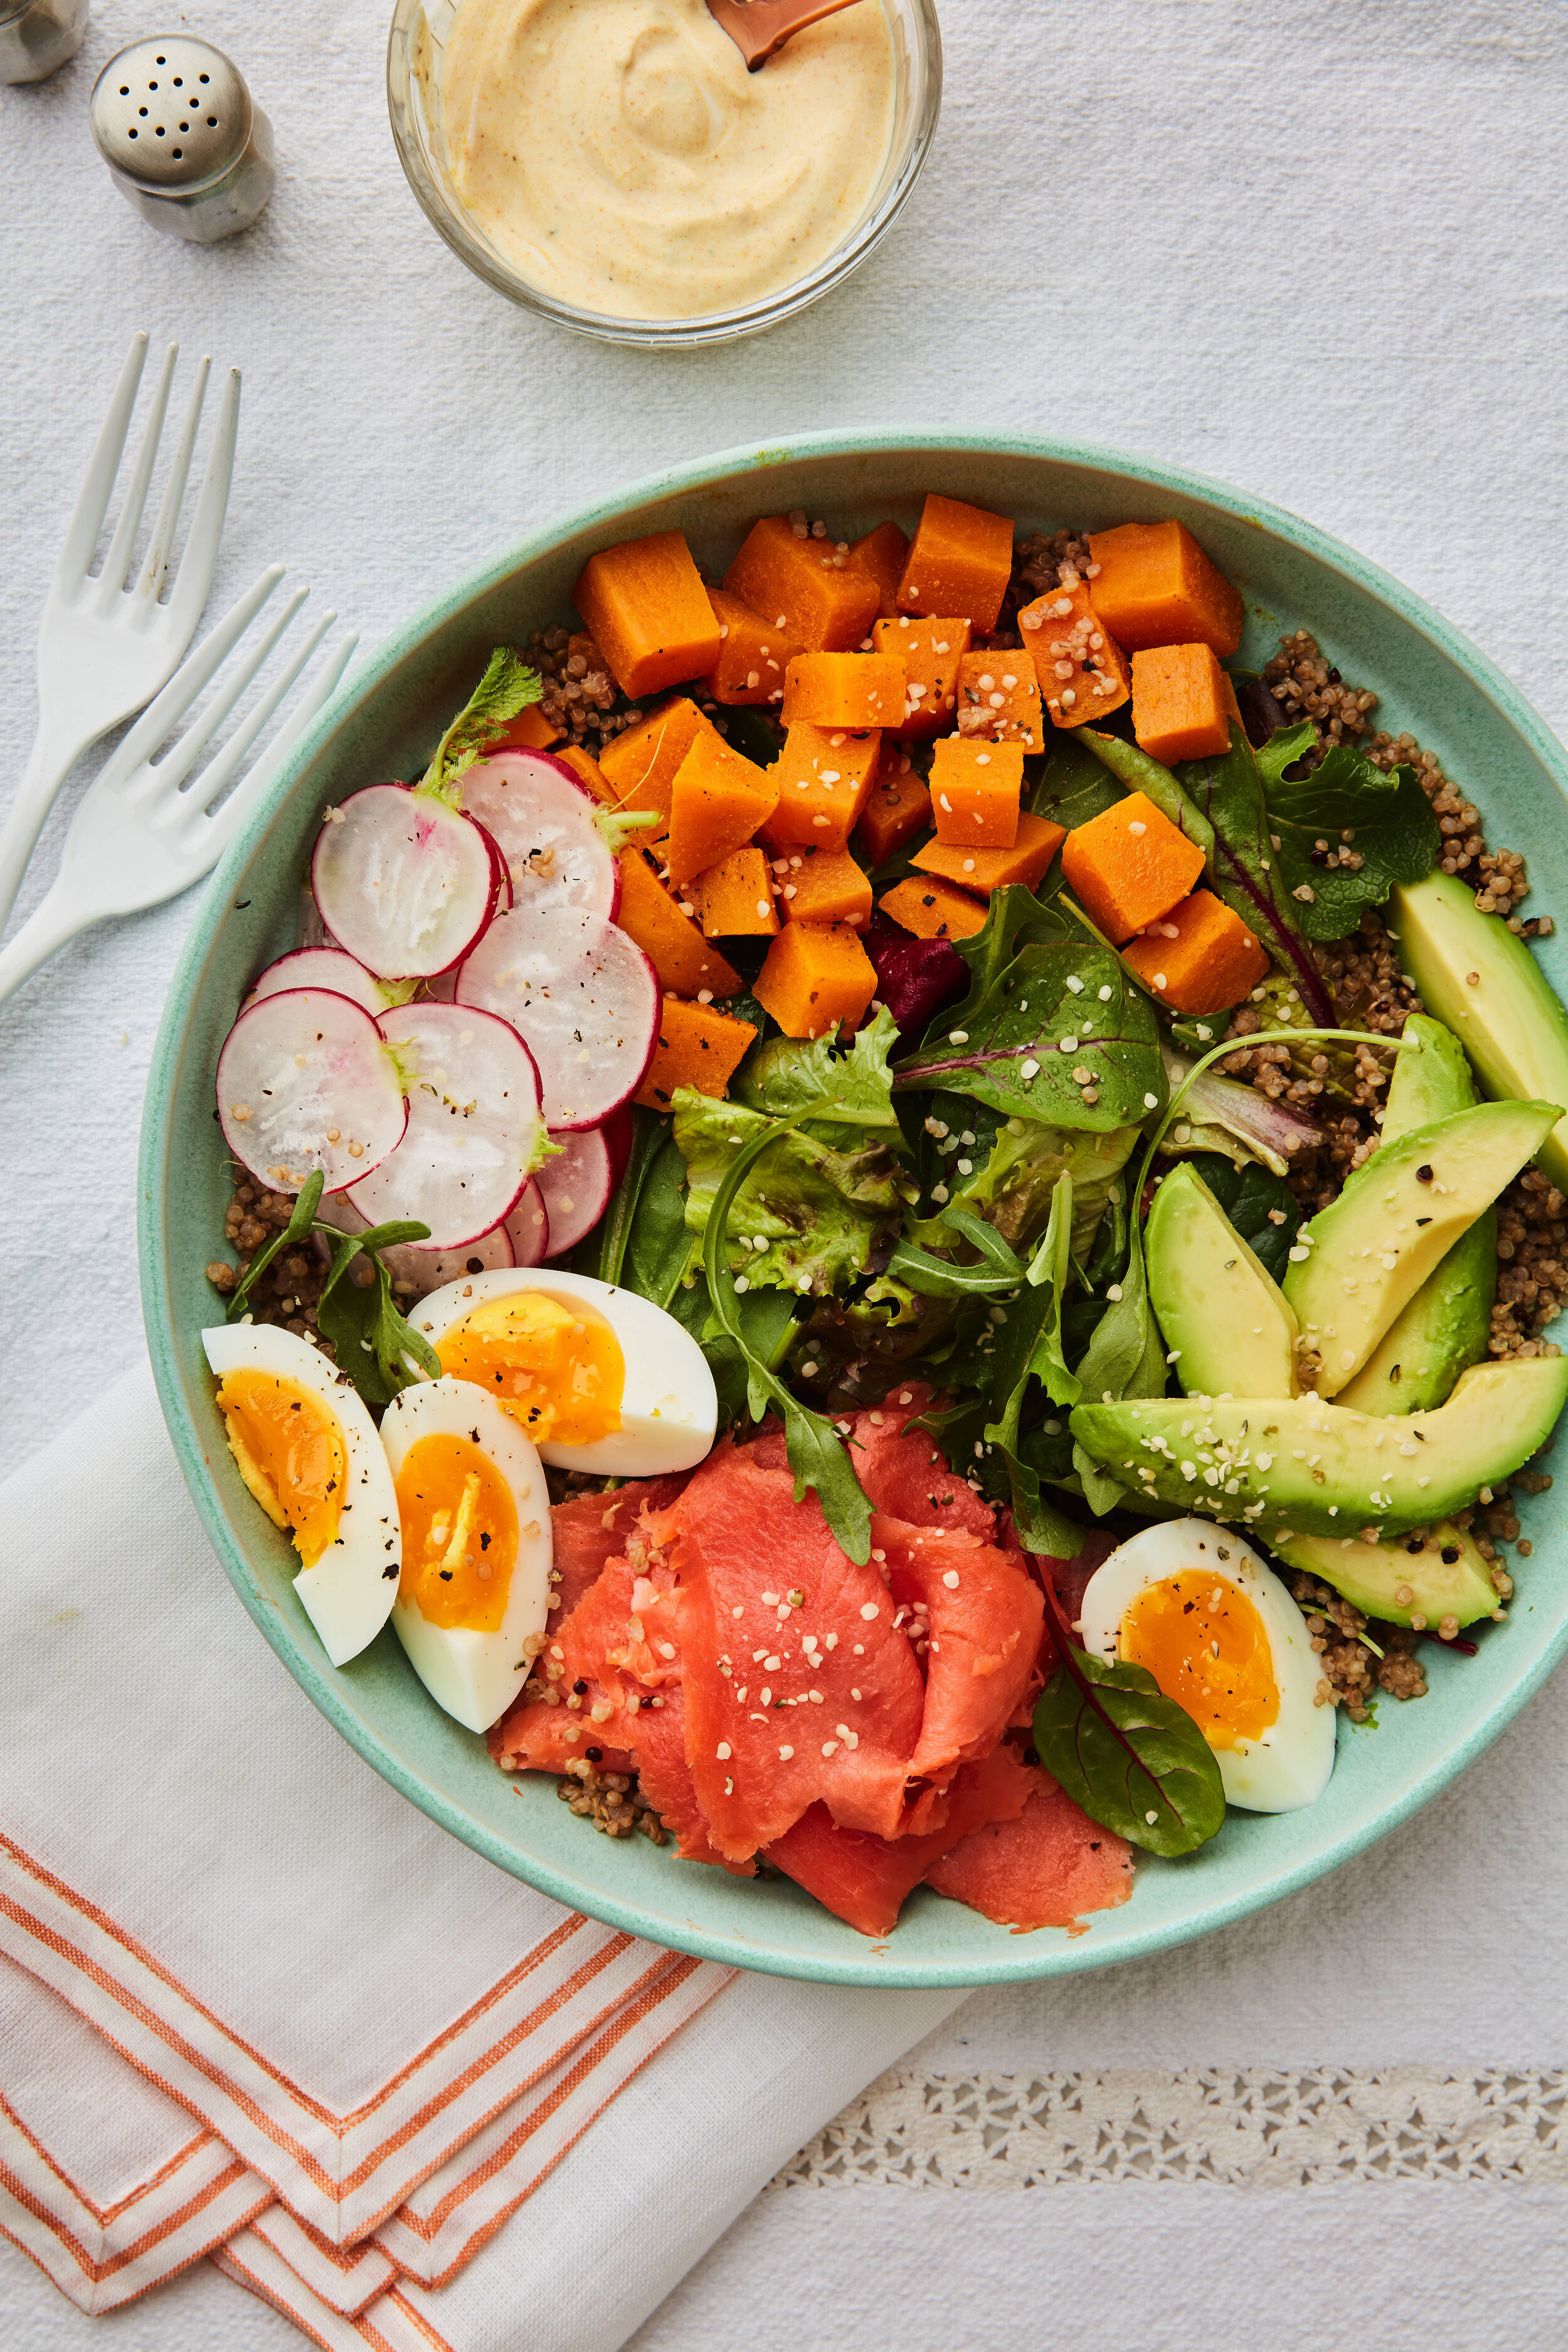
{"points": [[808, 1079], [1013, 1165], [507, 688], [825, 1216]]}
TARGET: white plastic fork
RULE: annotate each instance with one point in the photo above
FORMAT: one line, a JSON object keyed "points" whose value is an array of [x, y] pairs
{"points": [[144, 832], [105, 647]]}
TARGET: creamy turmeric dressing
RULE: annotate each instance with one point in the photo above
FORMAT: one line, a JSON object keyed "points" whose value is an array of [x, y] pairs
{"points": [[620, 157]]}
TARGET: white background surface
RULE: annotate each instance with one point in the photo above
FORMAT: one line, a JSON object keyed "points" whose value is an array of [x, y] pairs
{"points": [[1315, 251]]}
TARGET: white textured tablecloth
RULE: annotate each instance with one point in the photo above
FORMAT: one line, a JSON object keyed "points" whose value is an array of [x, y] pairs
{"points": [[1315, 250]]}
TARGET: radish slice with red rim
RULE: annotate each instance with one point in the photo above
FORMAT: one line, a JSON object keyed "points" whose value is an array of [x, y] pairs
{"points": [[329, 968], [417, 1272], [474, 1125], [581, 994], [542, 820], [404, 882], [305, 1081], [528, 1226], [577, 1181]]}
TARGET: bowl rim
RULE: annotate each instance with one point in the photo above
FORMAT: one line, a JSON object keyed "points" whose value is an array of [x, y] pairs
{"points": [[879, 1966]]}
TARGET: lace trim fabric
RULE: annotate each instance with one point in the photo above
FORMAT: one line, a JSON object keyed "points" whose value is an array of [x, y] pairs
{"points": [[1242, 2127]]}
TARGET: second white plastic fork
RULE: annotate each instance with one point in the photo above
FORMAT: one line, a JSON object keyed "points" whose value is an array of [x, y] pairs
{"points": [[150, 827]]}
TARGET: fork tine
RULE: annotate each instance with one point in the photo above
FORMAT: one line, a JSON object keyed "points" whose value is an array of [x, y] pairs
{"points": [[220, 828], [194, 577], [150, 586], [178, 761], [214, 779], [82, 536], [117, 562], [160, 716]]}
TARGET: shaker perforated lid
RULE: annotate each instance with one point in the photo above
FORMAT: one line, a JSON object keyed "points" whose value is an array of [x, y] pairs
{"points": [[171, 112]]}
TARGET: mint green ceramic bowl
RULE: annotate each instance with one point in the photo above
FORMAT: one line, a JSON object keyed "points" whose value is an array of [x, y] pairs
{"points": [[1427, 679]]}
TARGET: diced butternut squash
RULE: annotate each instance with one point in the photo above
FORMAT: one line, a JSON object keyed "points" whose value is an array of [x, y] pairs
{"points": [[1082, 670], [1027, 861], [999, 700], [961, 561], [825, 604], [640, 766], [1179, 707], [814, 976], [976, 789], [671, 942], [1153, 585], [826, 886], [588, 771], [529, 731], [1199, 958], [752, 654], [1129, 866], [824, 780], [933, 909], [845, 690], [883, 552], [697, 1048], [930, 651], [734, 900], [649, 612], [716, 803], [898, 807]]}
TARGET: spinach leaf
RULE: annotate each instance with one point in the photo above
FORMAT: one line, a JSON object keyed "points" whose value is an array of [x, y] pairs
{"points": [[1140, 773], [658, 1252], [1250, 1197], [507, 688], [1072, 785], [607, 1248], [1245, 867], [1015, 918], [1394, 832]]}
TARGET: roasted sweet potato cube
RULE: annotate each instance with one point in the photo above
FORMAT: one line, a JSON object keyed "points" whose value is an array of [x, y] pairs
{"points": [[529, 731], [998, 700], [673, 944], [815, 975], [1027, 861], [716, 803], [649, 612], [933, 909], [1182, 703], [883, 552], [1129, 866], [854, 690], [697, 1048], [820, 600], [1153, 585], [976, 790], [734, 900], [640, 766], [753, 655], [1082, 671], [961, 561], [1199, 958], [586, 770], [930, 651], [825, 886], [824, 780], [897, 808]]}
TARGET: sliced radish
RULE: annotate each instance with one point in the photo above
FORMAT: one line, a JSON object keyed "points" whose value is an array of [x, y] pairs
{"points": [[417, 1272], [581, 994], [542, 819], [474, 1124], [404, 882], [305, 1081], [309, 929], [329, 968], [576, 1183], [619, 1132], [529, 1228]]}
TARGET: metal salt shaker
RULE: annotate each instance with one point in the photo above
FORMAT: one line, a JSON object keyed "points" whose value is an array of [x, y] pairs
{"points": [[36, 36], [182, 137]]}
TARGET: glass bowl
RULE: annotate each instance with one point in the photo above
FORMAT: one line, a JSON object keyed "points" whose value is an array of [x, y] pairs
{"points": [[414, 57]]}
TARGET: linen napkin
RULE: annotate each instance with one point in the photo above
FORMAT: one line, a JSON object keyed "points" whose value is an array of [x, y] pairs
{"points": [[254, 2006]]}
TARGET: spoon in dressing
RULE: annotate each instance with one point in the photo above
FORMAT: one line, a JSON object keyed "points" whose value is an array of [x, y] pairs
{"points": [[760, 27]]}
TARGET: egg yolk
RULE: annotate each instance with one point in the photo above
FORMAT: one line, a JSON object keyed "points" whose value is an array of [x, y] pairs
{"points": [[291, 1453], [460, 1534], [553, 1364], [1205, 1646]]}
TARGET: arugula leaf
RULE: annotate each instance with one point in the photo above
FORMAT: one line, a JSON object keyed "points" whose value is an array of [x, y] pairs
{"points": [[1134, 1760], [806, 1078], [939, 1277], [815, 1456], [1049, 1272], [1394, 832], [1005, 1046], [507, 688], [1245, 867], [825, 1216], [1140, 773], [1249, 1197], [301, 1226], [1125, 1358]]}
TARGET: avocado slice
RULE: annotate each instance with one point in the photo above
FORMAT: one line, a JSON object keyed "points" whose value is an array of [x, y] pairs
{"points": [[1296, 1465], [1447, 1323], [1363, 1258], [1480, 979], [1218, 1306], [1445, 1572]]}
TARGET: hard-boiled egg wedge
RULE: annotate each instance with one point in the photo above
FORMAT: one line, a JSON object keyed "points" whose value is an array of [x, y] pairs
{"points": [[309, 1452], [1220, 1634], [477, 1546], [599, 1379]]}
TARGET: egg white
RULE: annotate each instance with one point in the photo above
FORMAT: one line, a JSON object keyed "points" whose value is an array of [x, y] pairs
{"points": [[669, 1407], [473, 1674], [348, 1594], [1289, 1766]]}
